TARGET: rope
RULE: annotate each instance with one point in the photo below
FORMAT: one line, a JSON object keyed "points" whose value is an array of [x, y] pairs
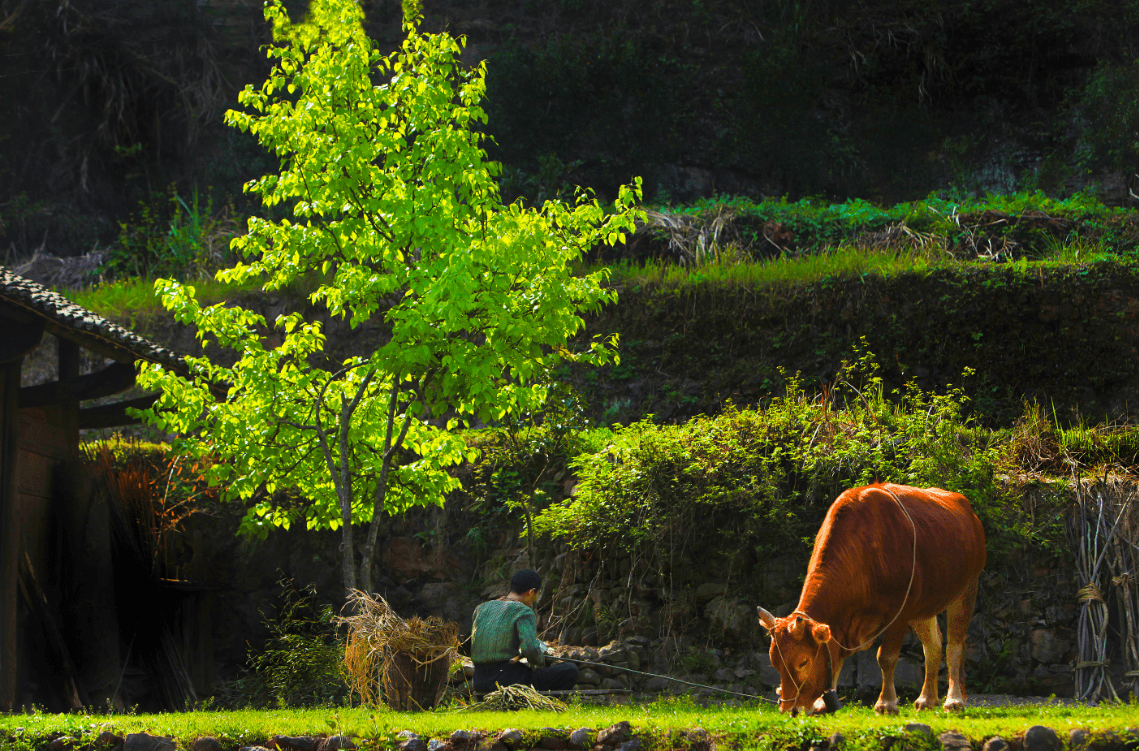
{"points": [[1090, 593], [666, 677]]}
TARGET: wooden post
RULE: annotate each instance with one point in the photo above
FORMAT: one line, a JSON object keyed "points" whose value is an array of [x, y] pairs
{"points": [[68, 365], [9, 529], [21, 337]]}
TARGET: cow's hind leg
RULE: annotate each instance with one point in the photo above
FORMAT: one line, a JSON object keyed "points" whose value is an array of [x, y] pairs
{"points": [[887, 660], [959, 613], [930, 636]]}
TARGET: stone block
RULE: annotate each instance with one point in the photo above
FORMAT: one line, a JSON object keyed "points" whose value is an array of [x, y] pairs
{"points": [[1041, 738], [951, 741]]}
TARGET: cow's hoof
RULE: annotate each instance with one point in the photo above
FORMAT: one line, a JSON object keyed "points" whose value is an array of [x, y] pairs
{"points": [[954, 705], [924, 703], [884, 708]]}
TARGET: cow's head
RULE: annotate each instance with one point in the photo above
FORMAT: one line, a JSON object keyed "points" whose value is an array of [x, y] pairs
{"points": [[801, 653]]}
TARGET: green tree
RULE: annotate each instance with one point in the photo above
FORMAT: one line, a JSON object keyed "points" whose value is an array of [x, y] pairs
{"points": [[397, 215]]}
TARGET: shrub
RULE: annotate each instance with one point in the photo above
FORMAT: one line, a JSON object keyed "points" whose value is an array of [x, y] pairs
{"points": [[760, 480], [300, 664]]}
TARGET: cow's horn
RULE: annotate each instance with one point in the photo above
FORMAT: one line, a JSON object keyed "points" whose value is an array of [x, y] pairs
{"points": [[767, 620]]}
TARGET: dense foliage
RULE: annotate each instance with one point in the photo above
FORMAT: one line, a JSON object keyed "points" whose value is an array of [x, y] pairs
{"points": [[396, 212], [758, 481]]}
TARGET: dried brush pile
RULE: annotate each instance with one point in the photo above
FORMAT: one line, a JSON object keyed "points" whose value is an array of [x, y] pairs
{"points": [[511, 698], [409, 658]]}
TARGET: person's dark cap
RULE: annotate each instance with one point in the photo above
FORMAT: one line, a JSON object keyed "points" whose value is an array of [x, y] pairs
{"points": [[525, 580]]}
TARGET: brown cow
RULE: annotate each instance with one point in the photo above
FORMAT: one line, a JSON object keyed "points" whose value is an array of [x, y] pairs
{"points": [[887, 558]]}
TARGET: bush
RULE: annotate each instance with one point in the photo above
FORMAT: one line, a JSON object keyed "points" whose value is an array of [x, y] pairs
{"points": [[759, 481], [301, 662]]}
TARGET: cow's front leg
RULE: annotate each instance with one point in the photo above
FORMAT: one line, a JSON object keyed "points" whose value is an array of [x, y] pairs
{"points": [[930, 636], [888, 660]]}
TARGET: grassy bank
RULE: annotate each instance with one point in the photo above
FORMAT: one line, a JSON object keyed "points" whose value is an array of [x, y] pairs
{"points": [[756, 726]]}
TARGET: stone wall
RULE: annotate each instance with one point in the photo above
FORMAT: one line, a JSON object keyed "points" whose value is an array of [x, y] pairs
{"points": [[617, 612]]}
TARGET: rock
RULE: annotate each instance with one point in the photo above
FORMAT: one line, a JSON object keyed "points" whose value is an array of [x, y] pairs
{"points": [[723, 675], [291, 743], [461, 737], [1047, 647], [908, 673], [434, 744], [60, 743], [581, 738], [413, 744], [1041, 738], [835, 741], [633, 660], [633, 744], [208, 743], [615, 734], [768, 675], [335, 743], [612, 683], [657, 684], [147, 742], [613, 652], [709, 591], [1077, 739], [107, 738], [510, 737], [553, 738], [918, 728], [406, 735], [951, 741], [996, 743], [588, 677], [731, 616]]}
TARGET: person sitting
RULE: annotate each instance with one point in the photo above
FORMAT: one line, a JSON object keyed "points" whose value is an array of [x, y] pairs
{"points": [[507, 629]]}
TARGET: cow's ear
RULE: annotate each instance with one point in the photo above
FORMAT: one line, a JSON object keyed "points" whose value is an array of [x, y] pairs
{"points": [[821, 632], [766, 619]]}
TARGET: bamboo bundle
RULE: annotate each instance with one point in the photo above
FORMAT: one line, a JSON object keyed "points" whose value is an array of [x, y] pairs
{"points": [[408, 658], [1095, 532]]}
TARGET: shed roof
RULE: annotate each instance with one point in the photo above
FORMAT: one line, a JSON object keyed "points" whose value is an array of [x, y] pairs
{"points": [[25, 300]]}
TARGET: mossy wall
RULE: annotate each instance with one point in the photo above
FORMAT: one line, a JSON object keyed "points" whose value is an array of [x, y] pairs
{"points": [[1067, 337]]}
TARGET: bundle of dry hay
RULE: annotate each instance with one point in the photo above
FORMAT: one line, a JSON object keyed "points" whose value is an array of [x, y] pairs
{"points": [[509, 698], [411, 658]]}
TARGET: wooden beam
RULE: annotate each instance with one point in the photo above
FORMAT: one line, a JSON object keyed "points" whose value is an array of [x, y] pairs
{"points": [[114, 378], [9, 528], [68, 356], [113, 415], [20, 337]]}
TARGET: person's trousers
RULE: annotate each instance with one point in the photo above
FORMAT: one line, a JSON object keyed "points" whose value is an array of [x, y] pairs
{"points": [[558, 677]]}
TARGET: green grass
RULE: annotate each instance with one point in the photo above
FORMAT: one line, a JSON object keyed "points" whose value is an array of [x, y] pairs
{"points": [[842, 262], [136, 295], [740, 726]]}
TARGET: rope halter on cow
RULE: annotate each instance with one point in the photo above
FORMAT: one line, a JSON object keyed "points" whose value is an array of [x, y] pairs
{"points": [[830, 697]]}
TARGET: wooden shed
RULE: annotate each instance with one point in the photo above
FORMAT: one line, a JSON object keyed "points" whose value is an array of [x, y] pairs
{"points": [[54, 541]]}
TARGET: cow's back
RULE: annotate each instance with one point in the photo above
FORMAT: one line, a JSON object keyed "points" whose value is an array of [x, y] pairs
{"points": [[865, 553]]}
